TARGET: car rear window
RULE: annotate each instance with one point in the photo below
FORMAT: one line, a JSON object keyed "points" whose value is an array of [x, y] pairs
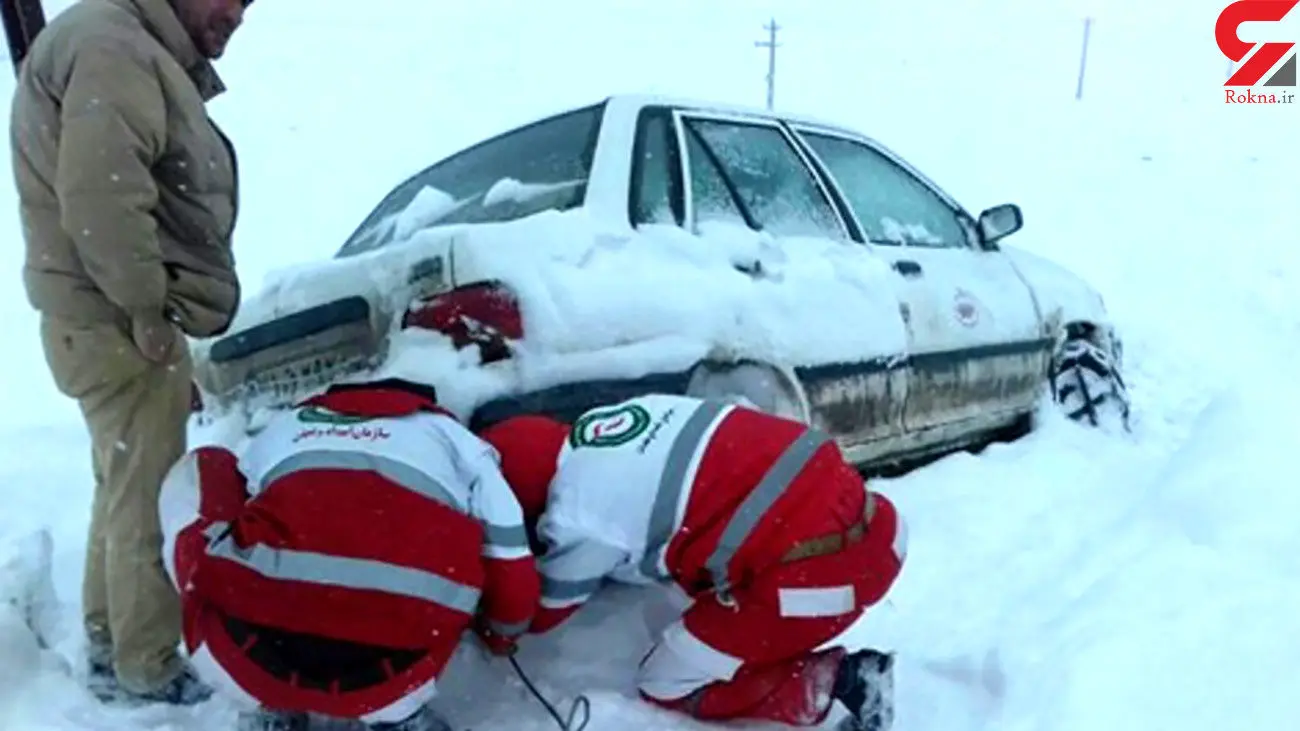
{"points": [[537, 167]]}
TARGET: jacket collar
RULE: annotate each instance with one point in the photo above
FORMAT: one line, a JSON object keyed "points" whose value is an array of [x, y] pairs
{"points": [[161, 21], [390, 397]]}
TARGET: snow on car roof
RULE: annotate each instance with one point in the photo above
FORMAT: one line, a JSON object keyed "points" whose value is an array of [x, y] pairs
{"points": [[647, 100]]}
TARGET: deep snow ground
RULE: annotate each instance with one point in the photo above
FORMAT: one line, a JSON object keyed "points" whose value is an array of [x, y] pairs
{"points": [[1073, 580]]}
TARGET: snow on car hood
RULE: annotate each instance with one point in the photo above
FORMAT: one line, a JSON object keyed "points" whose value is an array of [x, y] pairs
{"points": [[380, 275], [607, 302], [602, 301]]}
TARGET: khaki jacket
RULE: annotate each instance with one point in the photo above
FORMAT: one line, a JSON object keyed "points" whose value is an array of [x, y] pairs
{"points": [[128, 192]]}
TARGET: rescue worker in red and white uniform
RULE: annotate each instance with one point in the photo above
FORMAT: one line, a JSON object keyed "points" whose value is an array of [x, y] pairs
{"points": [[333, 566], [772, 541]]}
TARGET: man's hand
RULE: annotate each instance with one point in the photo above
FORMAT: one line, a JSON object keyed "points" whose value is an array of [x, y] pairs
{"points": [[154, 337]]}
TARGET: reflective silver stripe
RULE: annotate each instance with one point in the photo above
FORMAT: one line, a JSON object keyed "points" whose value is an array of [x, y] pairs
{"points": [[562, 590], [388, 468], [672, 482], [561, 557], [581, 560], [352, 573], [757, 503], [513, 536], [509, 630]]}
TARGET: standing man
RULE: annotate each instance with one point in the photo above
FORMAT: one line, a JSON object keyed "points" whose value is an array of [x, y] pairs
{"points": [[128, 197]]}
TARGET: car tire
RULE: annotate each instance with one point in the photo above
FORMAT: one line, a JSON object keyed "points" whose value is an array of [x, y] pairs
{"points": [[1087, 385], [758, 385]]}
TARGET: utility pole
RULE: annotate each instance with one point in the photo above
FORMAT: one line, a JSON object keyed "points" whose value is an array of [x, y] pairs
{"points": [[771, 45], [1083, 58]]}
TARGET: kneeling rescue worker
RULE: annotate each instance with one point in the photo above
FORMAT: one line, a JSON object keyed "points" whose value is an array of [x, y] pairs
{"points": [[332, 567], [772, 542]]}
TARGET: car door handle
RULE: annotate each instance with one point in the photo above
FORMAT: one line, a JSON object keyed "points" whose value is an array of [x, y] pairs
{"points": [[907, 268]]}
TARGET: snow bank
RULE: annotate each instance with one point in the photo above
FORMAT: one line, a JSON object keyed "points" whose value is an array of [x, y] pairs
{"points": [[1074, 582], [1186, 609], [19, 649], [29, 618], [1144, 590]]}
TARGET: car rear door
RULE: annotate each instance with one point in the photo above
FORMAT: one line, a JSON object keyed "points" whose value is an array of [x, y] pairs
{"points": [[977, 351], [750, 172]]}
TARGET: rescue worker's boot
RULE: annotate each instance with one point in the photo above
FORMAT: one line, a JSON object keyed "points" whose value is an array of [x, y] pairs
{"points": [[265, 719], [865, 686], [425, 719]]}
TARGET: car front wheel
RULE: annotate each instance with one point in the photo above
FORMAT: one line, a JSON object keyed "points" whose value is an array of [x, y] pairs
{"points": [[755, 384], [1086, 383]]}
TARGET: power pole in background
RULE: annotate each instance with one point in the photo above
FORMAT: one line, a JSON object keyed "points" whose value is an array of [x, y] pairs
{"points": [[771, 45], [1083, 57]]}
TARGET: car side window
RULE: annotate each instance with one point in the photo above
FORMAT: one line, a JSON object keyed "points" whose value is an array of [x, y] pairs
{"points": [[655, 194], [713, 197], [891, 204], [751, 172], [550, 160]]}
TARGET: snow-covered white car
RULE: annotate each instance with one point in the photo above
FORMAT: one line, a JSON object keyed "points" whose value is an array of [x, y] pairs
{"points": [[647, 244]]}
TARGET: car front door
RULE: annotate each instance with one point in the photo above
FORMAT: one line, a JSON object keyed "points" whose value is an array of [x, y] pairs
{"points": [[977, 351], [748, 172]]}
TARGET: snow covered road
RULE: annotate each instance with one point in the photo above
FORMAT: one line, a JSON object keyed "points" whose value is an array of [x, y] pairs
{"points": [[1073, 580]]}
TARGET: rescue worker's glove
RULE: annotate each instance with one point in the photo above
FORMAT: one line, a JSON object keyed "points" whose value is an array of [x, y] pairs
{"points": [[497, 644]]}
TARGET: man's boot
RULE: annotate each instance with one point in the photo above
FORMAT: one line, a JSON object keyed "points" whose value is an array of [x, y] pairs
{"points": [[425, 719], [183, 690], [265, 719], [101, 680], [865, 685]]}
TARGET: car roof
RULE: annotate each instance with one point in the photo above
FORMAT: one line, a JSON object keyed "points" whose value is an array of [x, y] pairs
{"points": [[639, 100]]}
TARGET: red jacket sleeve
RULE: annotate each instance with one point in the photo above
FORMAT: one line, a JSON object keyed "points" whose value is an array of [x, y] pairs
{"points": [[511, 586], [510, 595]]}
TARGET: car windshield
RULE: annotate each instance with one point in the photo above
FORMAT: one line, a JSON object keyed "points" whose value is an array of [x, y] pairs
{"points": [[538, 167]]}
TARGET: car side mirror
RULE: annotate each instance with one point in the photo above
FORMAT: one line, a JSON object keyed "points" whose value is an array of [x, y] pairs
{"points": [[999, 222]]}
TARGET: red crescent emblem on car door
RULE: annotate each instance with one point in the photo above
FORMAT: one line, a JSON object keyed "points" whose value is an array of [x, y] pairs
{"points": [[966, 308]]}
